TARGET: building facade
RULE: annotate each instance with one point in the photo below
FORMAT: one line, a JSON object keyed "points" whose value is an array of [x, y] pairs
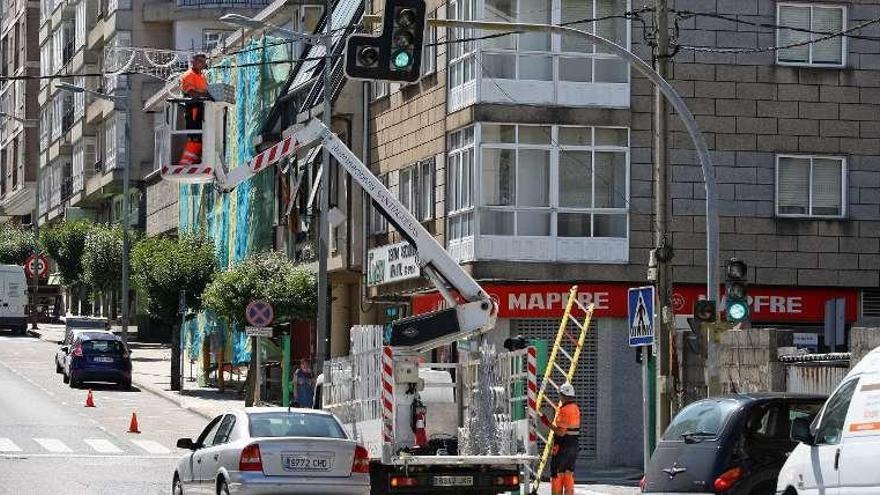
{"points": [[530, 157], [19, 58]]}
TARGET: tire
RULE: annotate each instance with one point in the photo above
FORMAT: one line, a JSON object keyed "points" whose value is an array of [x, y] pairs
{"points": [[58, 368], [64, 377], [73, 383], [176, 486], [764, 489], [222, 487], [125, 386]]}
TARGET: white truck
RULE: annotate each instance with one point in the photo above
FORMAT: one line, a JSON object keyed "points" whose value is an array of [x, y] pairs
{"points": [[386, 425], [13, 299]]}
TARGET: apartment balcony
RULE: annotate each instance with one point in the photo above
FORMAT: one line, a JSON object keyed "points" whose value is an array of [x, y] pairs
{"points": [[191, 10], [19, 202]]}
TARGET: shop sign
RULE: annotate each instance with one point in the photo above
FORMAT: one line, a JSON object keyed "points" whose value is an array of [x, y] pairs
{"points": [[392, 263], [767, 304]]}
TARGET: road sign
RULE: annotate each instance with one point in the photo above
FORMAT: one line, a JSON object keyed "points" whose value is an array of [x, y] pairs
{"points": [[36, 264], [259, 314], [641, 316], [258, 331]]}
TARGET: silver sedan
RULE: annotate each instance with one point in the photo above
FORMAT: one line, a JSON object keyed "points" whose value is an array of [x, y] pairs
{"points": [[272, 450]]}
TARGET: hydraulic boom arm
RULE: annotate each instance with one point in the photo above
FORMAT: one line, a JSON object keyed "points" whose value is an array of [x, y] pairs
{"points": [[475, 315]]}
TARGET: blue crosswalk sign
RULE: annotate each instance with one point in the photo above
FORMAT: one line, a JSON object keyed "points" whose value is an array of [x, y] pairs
{"points": [[641, 316]]}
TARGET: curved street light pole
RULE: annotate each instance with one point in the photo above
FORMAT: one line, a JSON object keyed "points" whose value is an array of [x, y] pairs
{"points": [[713, 262]]}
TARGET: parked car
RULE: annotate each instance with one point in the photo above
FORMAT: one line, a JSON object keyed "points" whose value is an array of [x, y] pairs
{"points": [[65, 345], [839, 451], [13, 299], [733, 444], [262, 450], [96, 357]]}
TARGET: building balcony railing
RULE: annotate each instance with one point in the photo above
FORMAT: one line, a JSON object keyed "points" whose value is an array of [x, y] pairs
{"points": [[223, 3]]}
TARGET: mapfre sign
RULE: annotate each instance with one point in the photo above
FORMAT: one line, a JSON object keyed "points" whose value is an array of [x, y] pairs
{"points": [[768, 304]]}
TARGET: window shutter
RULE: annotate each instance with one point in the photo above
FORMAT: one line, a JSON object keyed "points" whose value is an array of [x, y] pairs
{"points": [[793, 185], [828, 20], [826, 187], [795, 17]]}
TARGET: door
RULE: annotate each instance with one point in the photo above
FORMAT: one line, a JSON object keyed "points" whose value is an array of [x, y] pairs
{"points": [[860, 447], [209, 458], [196, 483], [822, 476]]}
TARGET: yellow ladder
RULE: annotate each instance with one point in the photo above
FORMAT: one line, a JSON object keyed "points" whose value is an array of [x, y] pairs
{"points": [[555, 375]]}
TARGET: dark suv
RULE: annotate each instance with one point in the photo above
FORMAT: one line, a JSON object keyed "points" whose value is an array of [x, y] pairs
{"points": [[97, 357], [733, 444]]}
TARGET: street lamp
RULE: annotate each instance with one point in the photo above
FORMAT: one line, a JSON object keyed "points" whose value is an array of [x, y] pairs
{"points": [[126, 179]]}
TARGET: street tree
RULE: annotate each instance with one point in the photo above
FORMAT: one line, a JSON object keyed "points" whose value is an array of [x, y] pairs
{"points": [[102, 260], [65, 244], [16, 245], [161, 268], [272, 277]]}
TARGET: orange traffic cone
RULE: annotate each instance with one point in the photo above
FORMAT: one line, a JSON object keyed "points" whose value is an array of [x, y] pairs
{"points": [[90, 401], [133, 426]]}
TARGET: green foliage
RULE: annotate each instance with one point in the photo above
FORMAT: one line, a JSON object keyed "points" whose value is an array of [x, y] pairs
{"points": [[102, 258], [16, 244], [272, 277], [65, 243], [162, 266]]}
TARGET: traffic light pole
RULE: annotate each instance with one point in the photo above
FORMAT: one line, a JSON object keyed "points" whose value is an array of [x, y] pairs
{"points": [[322, 338]]}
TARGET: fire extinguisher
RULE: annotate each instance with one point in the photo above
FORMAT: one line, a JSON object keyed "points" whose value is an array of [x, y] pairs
{"points": [[419, 418]]}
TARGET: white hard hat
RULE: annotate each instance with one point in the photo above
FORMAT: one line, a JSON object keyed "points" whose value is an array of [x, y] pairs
{"points": [[567, 390]]}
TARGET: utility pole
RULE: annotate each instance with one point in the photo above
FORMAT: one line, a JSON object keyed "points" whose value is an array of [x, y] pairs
{"points": [[323, 331], [126, 212], [662, 243]]}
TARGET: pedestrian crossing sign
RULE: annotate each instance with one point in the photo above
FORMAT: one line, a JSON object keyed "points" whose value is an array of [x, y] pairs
{"points": [[641, 316]]}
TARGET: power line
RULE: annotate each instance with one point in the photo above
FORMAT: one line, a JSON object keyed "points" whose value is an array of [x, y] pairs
{"points": [[687, 14], [837, 34]]}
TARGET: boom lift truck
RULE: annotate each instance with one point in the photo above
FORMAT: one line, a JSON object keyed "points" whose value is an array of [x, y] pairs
{"points": [[471, 312]]}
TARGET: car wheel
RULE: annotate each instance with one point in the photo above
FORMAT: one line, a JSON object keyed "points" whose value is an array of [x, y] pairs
{"points": [[73, 383], [64, 377], [126, 385], [58, 368], [176, 486], [222, 488]]}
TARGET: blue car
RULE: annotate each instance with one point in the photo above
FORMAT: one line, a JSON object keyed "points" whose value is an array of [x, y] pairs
{"points": [[96, 357]]}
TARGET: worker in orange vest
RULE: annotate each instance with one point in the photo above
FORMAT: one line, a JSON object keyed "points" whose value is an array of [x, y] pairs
{"points": [[194, 85], [566, 428]]}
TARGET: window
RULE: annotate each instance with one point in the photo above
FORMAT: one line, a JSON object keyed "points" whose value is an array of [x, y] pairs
{"points": [[207, 435], [224, 430], [79, 99], [82, 23], [517, 192], [831, 424], [799, 18], [114, 141], [378, 222], [810, 186], [288, 424], [212, 38], [460, 180], [429, 53], [461, 55], [416, 189], [705, 418]]}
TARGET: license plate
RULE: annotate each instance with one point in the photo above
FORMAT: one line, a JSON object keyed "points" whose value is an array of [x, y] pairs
{"points": [[103, 359], [453, 481], [307, 461]]}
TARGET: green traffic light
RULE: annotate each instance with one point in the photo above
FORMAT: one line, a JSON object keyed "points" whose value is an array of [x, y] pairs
{"points": [[401, 59], [737, 311]]}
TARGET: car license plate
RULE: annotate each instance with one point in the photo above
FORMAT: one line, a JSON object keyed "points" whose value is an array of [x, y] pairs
{"points": [[103, 359], [307, 461], [453, 481]]}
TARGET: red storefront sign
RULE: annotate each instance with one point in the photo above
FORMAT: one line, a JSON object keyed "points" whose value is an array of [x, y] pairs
{"points": [[768, 304]]}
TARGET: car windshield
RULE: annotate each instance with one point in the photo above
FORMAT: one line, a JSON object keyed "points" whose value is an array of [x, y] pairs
{"points": [[294, 424], [102, 347], [701, 419]]}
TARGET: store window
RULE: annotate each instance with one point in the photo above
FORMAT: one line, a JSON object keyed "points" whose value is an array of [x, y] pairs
{"points": [[800, 24], [810, 186]]}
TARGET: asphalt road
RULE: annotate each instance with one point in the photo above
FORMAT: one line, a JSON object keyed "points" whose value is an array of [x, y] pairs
{"points": [[51, 443]]}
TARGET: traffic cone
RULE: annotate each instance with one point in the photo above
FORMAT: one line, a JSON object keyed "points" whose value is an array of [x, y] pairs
{"points": [[133, 426], [90, 401]]}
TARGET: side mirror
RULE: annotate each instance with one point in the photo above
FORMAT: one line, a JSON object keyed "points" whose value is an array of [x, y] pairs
{"points": [[59, 342], [800, 431], [186, 443]]}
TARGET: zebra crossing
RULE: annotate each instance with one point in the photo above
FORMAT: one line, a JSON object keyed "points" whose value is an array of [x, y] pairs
{"points": [[85, 446]]}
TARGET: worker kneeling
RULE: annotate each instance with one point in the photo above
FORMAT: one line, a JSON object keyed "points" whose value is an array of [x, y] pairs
{"points": [[194, 85], [565, 445]]}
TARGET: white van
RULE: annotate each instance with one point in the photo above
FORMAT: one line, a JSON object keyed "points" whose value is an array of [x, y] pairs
{"points": [[839, 452], [13, 298]]}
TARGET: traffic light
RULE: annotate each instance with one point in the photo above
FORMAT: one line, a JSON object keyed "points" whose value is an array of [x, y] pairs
{"points": [[704, 310], [396, 54], [736, 300]]}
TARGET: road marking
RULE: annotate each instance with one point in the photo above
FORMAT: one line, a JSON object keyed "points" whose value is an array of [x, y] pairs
{"points": [[151, 446], [7, 445], [102, 446], [53, 445]]}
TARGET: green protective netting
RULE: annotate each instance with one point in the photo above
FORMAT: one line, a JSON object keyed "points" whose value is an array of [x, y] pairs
{"points": [[240, 222]]}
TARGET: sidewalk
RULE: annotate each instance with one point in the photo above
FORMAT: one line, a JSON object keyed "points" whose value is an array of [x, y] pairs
{"points": [[151, 371]]}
